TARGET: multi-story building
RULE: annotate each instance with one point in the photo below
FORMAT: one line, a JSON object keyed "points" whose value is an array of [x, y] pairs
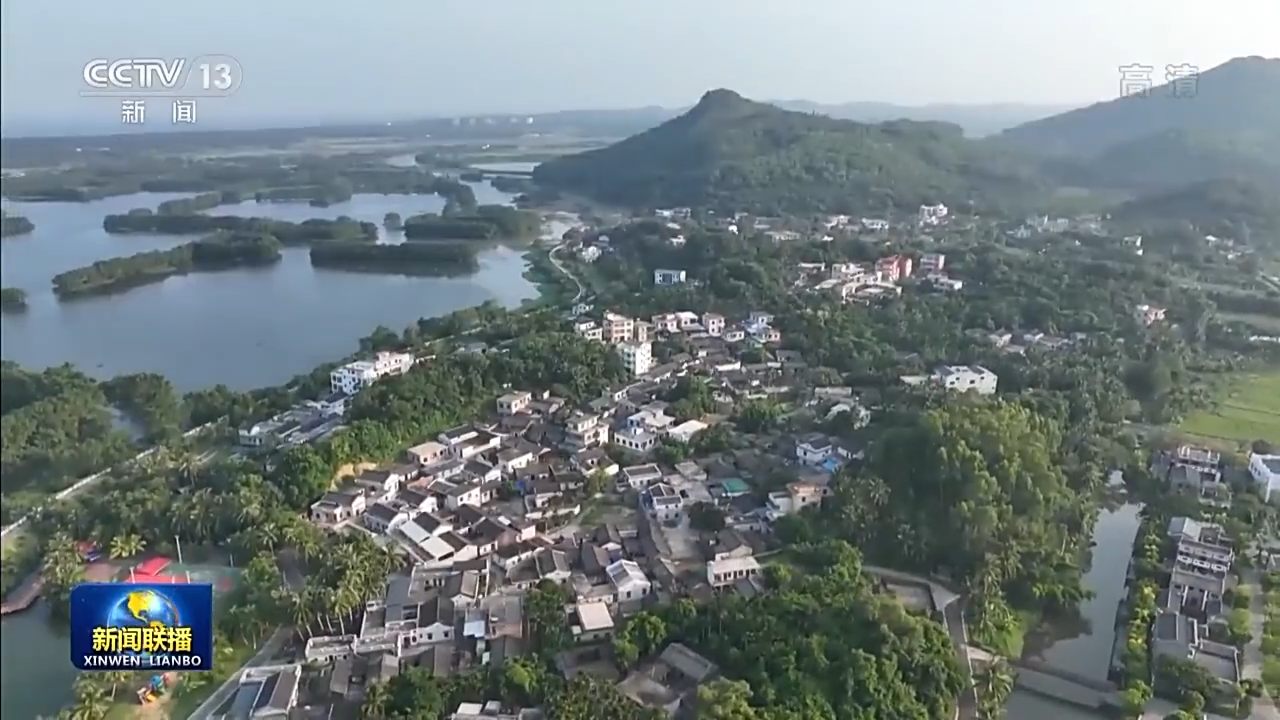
{"points": [[356, 376], [894, 267], [932, 263], [642, 332], [636, 357], [513, 403], [713, 323], [618, 328], [933, 214], [585, 430], [588, 329], [1265, 471]]}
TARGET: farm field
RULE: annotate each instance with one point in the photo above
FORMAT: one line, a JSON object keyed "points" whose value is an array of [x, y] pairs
{"points": [[1247, 409]]}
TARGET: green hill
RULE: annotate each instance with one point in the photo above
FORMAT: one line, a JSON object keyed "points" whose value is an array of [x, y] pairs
{"points": [[1228, 126], [1239, 96], [730, 153], [1244, 210]]}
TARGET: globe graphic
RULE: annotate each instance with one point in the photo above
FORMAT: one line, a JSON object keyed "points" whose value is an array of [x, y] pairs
{"points": [[143, 608]]}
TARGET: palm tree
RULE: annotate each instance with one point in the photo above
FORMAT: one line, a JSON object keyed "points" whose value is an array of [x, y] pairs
{"points": [[375, 702], [127, 545], [994, 684]]}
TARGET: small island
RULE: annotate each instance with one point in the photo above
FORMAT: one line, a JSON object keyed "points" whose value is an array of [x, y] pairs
{"points": [[392, 221], [142, 220], [486, 222], [417, 259], [220, 252], [13, 300], [14, 225]]}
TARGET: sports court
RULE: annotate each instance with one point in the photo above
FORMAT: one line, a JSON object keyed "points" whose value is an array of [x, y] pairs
{"points": [[164, 571]]}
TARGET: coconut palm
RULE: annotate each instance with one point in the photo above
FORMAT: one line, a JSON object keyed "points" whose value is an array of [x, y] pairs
{"points": [[127, 546], [994, 684]]}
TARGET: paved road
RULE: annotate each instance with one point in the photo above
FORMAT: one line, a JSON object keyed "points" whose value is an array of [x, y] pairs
{"points": [[582, 290], [1264, 708]]}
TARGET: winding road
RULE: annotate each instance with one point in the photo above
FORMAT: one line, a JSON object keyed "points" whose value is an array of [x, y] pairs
{"points": [[582, 290]]}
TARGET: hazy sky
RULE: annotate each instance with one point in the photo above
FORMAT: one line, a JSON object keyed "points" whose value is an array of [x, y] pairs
{"points": [[327, 59]]}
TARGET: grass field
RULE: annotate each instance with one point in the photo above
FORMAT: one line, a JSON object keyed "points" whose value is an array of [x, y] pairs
{"points": [[1247, 409]]}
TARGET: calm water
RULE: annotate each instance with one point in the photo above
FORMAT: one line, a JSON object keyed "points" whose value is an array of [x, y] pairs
{"points": [[245, 328], [1089, 653], [501, 167]]}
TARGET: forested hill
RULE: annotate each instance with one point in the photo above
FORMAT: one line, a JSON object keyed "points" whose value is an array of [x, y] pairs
{"points": [[1224, 124], [1239, 96], [730, 153], [1243, 210]]}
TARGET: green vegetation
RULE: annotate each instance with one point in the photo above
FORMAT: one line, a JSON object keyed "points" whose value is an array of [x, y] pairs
{"points": [[1242, 210], [731, 154], [1232, 128], [288, 233], [13, 300], [1246, 410], [13, 225], [486, 222], [392, 221], [214, 253], [443, 258], [1271, 634], [199, 203], [777, 647]]}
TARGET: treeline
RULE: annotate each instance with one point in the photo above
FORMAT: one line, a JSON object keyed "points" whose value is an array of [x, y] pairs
{"points": [[288, 233], [447, 258], [324, 195], [13, 299], [486, 222], [55, 427], [214, 253], [151, 401], [11, 225], [199, 203]]}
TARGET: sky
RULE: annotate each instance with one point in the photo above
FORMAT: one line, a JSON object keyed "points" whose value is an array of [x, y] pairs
{"points": [[317, 61]]}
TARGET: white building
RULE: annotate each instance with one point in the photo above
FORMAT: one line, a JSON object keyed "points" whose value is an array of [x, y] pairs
{"points": [[932, 263], [725, 572], [933, 214], [669, 277], [636, 357], [967, 377], [1265, 470], [356, 376]]}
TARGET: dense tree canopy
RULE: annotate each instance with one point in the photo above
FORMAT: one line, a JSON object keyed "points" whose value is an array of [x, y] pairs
{"points": [[734, 154]]}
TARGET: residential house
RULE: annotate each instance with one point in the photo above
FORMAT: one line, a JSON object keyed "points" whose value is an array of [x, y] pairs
{"points": [[1265, 471], [269, 693], [355, 376], [427, 453], [630, 584], [384, 482], [963, 378], [383, 517], [636, 357], [894, 267], [588, 329], [618, 328], [594, 622], [813, 449], [713, 323], [335, 508], [514, 402], [662, 502], [728, 571], [584, 430], [637, 477], [669, 277], [1184, 638], [932, 263], [635, 440]]}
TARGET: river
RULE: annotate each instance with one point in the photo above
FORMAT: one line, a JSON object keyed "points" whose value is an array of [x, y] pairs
{"points": [[245, 328], [1088, 650]]}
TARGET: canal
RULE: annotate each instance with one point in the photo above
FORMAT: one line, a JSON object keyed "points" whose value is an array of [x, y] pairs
{"points": [[1085, 648]]}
